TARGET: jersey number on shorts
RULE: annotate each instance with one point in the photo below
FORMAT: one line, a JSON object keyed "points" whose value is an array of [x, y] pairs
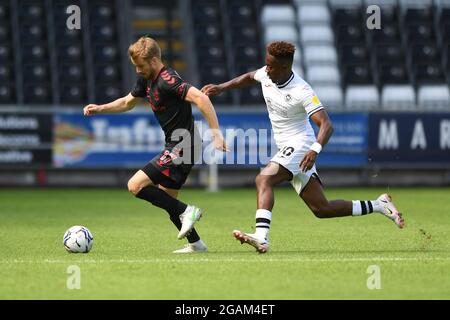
{"points": [[286, 152]]}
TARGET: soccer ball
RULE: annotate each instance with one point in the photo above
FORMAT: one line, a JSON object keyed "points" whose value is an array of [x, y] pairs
{"points": [[78, 239]]}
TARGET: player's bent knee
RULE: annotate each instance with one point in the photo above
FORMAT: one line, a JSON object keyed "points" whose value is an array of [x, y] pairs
{"points": [[261, 181], [133, 187]]}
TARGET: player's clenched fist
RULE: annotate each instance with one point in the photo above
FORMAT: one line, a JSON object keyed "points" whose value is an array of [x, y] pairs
{"points": [[91, 109]]}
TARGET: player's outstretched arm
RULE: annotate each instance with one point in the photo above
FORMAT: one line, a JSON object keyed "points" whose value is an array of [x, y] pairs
{"points": [[123, 104], [206, 108], [242, 81]]}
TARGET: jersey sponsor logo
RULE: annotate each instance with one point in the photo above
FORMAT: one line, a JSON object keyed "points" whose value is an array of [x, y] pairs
{"points": [[315, 100]]}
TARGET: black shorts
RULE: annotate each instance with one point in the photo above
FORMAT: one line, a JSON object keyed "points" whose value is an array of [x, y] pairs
{"points": [[163, 171]]}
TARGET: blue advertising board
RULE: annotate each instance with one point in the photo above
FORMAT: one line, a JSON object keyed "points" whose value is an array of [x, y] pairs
{"points": [[409, 138], [132, 139]]}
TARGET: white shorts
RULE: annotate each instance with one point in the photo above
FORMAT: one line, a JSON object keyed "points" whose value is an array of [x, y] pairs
{"points": [[290, 157]]}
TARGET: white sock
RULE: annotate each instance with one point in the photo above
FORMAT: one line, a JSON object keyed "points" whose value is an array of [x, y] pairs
{"points": [[361, 208], [263, 219]]}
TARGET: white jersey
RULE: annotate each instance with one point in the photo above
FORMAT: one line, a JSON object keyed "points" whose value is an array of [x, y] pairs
{"points": [[289, 105]]}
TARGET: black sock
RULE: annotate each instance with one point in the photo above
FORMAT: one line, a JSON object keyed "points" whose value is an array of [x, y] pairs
{"points": [[192, 236], [173, 206], [163, 200]]}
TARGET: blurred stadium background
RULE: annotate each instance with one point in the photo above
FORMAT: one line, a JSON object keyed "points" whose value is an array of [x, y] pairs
{"points": [[387, 90]]}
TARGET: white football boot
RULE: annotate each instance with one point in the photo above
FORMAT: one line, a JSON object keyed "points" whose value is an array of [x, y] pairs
{"points": [[188, 218], [196, 247], [390, 211], [261, 245]]}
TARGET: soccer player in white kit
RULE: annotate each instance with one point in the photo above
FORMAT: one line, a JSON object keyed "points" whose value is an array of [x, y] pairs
{"points": [[291, 102]]}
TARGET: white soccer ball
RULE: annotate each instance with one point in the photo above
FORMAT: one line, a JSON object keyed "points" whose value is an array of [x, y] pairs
{"points": [[78, 239]]}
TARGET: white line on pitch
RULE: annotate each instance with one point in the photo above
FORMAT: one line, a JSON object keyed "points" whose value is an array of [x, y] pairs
{"points": [[212, 260]]}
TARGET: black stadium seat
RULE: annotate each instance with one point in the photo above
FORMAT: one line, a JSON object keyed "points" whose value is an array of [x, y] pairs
{"points": [[389, 53], [37, 94], [358, 74], [420, 32], [7, 94], [430, 73], [393, 74], [73, 93], [388, 34], [353, 53], [349, 33]]}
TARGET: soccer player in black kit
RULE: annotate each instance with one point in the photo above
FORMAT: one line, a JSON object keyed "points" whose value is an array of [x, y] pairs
{"points": [[170, 98]]}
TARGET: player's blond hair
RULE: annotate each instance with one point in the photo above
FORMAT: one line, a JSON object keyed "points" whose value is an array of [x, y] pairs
{"points": [[145, 48]]}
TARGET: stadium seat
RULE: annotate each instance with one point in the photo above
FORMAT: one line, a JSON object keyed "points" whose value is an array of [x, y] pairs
{"points": [[277, 14], [389, 53], [426, 52], [104, 32], [331, 97], [4, 31], [212, 53], [320, 54], [388, 34], [358, 74], [322, 75], [37, 94], [313, 14], [241, 13], [102, 12], [428, 73], [353, 53], [215, 73], [251, 96], [206, 11], [247, 53], [398, 98], [34, 53], [208, 33], [430, 98], [73, 93], [36, 73], [70, 53], [394, 73], [106, 53], [349, 33], [31, 10], [5, 53], [280, 33], [244, 34], [4, 11], [420, 32], [6, 93], [107, 93], [361, 98], [108, 73], [71, 73], [316, 35], [6, 73], [32, 33]]}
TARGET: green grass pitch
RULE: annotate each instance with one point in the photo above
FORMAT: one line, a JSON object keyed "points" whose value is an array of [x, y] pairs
{"points": [[309, 258]]}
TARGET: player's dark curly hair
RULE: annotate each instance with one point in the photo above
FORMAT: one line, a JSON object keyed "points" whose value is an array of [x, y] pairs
{"points": [[281, 50]]}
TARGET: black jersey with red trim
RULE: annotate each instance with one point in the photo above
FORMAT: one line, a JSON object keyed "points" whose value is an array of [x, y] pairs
{"points": [[166, 96]]}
